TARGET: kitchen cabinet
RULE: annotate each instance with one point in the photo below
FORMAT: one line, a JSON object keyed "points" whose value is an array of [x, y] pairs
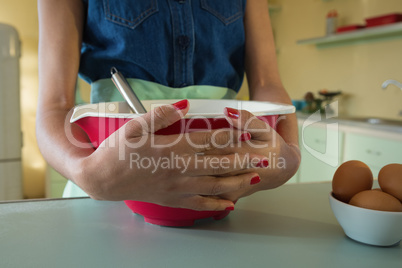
{"points": [[324, 148], [296, 177], [55, 183], [374, 151], [321, 148]]}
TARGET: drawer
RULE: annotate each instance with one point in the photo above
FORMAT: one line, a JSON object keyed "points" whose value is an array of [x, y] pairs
{"points": [[323, 143], [321, 150], [374, 151]]}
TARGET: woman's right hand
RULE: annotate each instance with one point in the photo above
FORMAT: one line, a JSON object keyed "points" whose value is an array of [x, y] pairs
{"points": [[184, 170]]}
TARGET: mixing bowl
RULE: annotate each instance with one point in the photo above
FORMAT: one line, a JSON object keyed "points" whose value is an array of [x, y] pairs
{"points": [[373, 227], [102, 119]]}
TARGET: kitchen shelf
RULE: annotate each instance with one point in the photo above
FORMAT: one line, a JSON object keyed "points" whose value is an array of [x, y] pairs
{"points": [[379, 33]]}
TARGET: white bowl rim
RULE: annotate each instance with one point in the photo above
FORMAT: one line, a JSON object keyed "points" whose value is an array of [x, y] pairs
{"points": [[103, 109], [363, 209]]}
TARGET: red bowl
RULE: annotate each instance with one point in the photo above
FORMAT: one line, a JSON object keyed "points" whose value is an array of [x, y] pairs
{"points": [[349, 28], [101, 120]]}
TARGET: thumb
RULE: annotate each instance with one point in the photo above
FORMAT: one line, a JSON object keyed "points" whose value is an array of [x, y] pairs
{"points": [[158, 118]]}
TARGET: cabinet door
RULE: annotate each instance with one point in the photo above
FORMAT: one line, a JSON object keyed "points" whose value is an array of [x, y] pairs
{"points": [[376, 152], [55, 183], [321, 150], [296, 177]]}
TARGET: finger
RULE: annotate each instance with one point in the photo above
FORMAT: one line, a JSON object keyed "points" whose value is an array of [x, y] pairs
{"points": [[245, 120], [214, 186], [156, 119], [203, 141], [216, 165], [206, 203]]}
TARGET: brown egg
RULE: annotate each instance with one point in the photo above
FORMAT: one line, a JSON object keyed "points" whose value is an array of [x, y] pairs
{"points": [[350, 178], [374, 199], [390, 180]]}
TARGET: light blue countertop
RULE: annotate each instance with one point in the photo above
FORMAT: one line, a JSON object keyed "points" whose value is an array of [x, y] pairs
{"points": [[292, 226], [387, 125]]}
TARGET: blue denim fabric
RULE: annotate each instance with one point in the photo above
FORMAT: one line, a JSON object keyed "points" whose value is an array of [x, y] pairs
{"points": [[175, 43]]}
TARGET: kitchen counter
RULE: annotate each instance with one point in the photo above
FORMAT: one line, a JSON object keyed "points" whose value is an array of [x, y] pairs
{"points": [[356, 123], [292, 226]]}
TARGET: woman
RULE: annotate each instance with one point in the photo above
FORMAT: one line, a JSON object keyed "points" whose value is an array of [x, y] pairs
{"points": [[168, 49]]}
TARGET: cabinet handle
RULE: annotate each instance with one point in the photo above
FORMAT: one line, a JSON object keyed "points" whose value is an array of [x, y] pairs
{"points": [[318, 141], [377, 153]]}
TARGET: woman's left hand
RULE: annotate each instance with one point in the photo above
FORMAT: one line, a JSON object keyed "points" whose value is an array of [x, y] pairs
{"points": [[283, 159]]}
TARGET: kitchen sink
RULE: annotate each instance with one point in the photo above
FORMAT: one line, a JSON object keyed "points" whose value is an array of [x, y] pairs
{"points": [[374, 121]]}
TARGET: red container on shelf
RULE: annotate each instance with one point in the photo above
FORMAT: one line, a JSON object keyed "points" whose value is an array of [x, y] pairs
{"points": [[384, 19], [349, 28]]}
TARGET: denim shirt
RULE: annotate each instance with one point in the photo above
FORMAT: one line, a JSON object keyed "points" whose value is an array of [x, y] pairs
{"points": [[175, 43]]}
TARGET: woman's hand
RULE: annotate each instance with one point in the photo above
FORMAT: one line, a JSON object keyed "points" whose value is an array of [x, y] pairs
{"points": [[265, 84], [283, 159], [168, 170]]}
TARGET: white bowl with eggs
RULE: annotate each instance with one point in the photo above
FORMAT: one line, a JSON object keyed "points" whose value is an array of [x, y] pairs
{"points": [[370, 216], [373, 227]]}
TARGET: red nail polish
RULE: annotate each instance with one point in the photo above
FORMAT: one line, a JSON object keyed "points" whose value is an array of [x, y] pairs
{"points": [[255, 180], [263, 163], [180, 105], [229, 208], [245, 137], [232, 113]]}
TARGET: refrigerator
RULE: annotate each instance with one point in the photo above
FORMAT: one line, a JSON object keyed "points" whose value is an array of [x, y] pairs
{"points": [[10, 119]]}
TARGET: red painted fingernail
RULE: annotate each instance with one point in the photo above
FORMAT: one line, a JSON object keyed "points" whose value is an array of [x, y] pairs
{"points": [[232, 113], [255, 180], [229, 208], [263, 163], [180, 105], [245, 137]]}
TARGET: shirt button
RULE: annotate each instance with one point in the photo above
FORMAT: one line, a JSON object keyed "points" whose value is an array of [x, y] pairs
{"points": [[183, 85], [181, 1], [183, 41]]}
